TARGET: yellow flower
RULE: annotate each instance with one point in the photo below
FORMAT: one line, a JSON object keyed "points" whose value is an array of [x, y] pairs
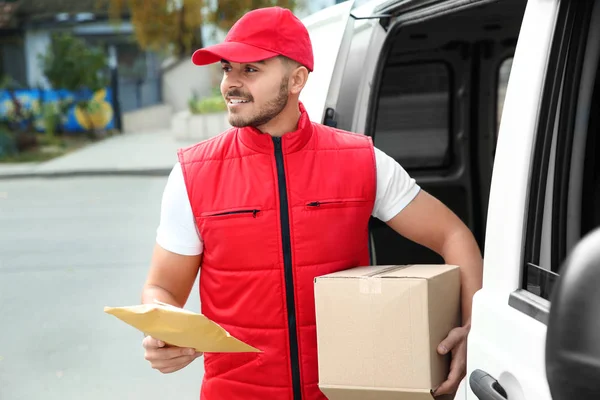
{"points": [[7, 106], [100, 115]]}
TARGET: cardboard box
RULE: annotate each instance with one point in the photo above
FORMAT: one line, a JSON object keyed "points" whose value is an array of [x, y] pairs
{"points": [[378, 329]]}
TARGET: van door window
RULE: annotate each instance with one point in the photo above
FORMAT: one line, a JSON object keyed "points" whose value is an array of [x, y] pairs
{"points": [[413, 115], [590, 188], [564, 198]]}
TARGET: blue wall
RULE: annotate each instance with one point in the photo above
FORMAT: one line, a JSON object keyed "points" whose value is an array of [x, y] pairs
{"points": [[101, 115]]}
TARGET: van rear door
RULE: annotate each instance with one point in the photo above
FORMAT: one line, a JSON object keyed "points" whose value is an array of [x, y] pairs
{"points": [[545, 197], [429, 100]]}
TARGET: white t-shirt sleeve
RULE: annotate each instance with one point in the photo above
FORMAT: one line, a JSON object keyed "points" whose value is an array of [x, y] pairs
{"points": [[177, 231], [395, 188]]}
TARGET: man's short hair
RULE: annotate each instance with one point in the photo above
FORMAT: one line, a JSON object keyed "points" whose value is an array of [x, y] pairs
{"points": [[288, 62]]}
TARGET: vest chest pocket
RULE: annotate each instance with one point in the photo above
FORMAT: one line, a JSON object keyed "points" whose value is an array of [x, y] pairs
{"points": [[237, 213], [334, 203], [237, 238], [333, 231]]}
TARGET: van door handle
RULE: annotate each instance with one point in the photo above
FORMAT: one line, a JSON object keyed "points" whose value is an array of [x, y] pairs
{"points": [[486, 387]]}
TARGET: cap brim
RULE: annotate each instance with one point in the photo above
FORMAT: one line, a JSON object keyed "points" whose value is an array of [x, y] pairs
{"points": [[231, 51]]}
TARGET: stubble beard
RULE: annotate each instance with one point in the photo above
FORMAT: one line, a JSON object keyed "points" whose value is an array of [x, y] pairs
{"points": [[272, 109]]}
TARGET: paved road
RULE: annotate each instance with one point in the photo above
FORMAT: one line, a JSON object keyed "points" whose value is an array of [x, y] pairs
{"points": [[69, 247]]}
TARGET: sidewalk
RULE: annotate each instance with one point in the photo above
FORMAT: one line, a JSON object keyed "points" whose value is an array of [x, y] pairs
{"points": [[148, 153]]}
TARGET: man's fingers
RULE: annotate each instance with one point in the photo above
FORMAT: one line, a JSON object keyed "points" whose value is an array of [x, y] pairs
{"points": [[445, 388], [454, 338], [167, 359], [172, 364], [455, 343], [171, 370], [168, 353], [450, 386], [150, 343], [457, 373]]}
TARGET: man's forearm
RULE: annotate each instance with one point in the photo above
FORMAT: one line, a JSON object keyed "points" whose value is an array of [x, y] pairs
{"points": [[462, 250], [151, 293]]}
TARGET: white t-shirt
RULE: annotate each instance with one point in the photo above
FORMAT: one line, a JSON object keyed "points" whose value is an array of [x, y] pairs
{"points": [[177, 231]]}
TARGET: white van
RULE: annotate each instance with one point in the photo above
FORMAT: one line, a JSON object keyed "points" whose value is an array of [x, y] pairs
{"points": [[518, 159]]}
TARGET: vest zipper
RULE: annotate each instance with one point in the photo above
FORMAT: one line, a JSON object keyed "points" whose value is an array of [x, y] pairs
{"points": [[334, 203], [287, 266], [253, 212]]}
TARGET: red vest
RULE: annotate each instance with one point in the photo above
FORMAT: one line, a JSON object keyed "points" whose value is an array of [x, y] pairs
{"points": [[274, 213]]}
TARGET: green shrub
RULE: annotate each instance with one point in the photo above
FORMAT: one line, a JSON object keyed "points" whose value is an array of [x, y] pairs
{"points": [[8, 146], [51, 118], [207, 105]]}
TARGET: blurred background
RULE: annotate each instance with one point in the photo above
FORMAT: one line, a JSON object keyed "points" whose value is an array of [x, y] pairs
{"points": [[103, 65], [98, 94]]}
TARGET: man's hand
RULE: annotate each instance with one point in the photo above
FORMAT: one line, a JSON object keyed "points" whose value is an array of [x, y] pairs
{"points": [[167, 359], [456, 343]]}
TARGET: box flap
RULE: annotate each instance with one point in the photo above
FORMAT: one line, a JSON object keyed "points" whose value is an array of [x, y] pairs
{"points": [[392, 271], [418, 271], [366, 393], [360, 272]]}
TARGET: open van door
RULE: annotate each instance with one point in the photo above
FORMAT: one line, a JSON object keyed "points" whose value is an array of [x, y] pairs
{"points": [[545, 197], [428, 99]]}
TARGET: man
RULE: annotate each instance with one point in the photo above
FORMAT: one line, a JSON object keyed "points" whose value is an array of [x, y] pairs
{"points": [[267, 206]]}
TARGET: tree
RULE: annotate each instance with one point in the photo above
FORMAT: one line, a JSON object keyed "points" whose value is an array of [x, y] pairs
{"points": [[229, 11], [176, 24], [159, 25], [70, 63]]}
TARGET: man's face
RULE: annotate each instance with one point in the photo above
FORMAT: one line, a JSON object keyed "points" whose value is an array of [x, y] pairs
{"points": [[255, 92]]}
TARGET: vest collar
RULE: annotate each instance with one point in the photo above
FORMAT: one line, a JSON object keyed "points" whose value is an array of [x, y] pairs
{"points": [[290, 142]]}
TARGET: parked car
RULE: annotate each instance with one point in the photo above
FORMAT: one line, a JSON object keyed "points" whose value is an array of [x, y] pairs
{"points": [[494, 108]]}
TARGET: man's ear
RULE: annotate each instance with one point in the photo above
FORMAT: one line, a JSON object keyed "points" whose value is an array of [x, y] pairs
{"points": [[298, 79]]}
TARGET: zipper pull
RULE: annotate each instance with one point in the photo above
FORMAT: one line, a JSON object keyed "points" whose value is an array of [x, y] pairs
{"points": [[314, 204], [254, 212], [277, 143]]}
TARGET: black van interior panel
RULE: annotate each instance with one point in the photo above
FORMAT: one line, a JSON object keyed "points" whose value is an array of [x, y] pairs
{"points": [[435, 110]]}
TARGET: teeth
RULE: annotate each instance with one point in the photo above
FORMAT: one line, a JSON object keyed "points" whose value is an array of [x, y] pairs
{"points": [[238, 101]]}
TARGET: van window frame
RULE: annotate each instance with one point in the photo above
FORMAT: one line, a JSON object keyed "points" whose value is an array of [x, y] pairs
{"points": [[556, 123]]}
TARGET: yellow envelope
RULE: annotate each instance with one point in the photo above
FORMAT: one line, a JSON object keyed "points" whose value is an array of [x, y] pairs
{"points": [[179, 327]]}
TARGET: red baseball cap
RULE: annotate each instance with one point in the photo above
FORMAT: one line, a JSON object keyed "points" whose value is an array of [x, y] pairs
{"points": [[261, 34]]}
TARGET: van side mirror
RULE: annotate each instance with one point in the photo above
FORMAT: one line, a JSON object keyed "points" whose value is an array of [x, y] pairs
{"points": [[573, 338]]}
